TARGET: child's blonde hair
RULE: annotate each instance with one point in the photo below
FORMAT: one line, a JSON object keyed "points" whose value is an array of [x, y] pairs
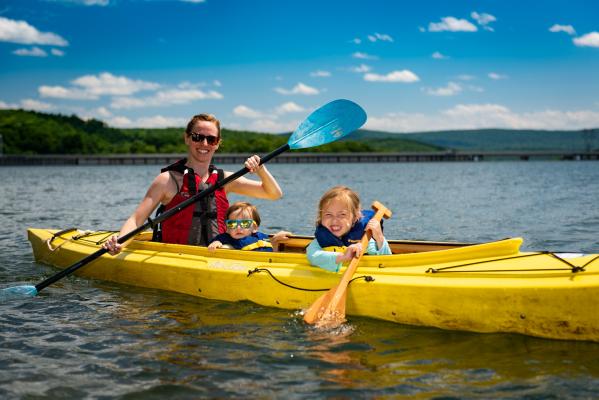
{"points": [[244, 206], [345, 194]]}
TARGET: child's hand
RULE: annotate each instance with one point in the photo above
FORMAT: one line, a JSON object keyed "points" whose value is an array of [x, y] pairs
{"points": [[279, 237], [375, 229], [351, 251], [215, 245]]}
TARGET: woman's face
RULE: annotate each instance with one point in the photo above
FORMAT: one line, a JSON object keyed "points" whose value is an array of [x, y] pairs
{"points": [[202, 151], [337, 217]]}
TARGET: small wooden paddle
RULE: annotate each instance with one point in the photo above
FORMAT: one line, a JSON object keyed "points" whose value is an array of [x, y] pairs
{"points": [[328, 311]]}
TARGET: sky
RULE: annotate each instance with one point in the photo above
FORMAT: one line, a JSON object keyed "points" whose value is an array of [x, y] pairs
{"points": [[264, 65]]}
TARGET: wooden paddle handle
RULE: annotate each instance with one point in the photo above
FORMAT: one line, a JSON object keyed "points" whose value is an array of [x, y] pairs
{"points": [[380, 212]]}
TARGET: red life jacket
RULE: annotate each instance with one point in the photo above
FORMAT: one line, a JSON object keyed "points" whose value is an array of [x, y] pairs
{"points": [[199, 223]]}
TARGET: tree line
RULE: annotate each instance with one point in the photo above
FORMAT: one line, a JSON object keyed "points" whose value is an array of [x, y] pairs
{"points": [[30, 132]]}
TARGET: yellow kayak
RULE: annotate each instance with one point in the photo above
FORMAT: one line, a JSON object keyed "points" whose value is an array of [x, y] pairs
{"points": [[485, 287]]}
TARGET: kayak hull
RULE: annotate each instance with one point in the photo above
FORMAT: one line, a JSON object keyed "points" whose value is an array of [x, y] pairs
{"points": [[488, 287]]}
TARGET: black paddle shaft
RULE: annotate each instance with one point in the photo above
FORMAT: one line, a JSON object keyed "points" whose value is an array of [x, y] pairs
{"points": [[151, 222]]}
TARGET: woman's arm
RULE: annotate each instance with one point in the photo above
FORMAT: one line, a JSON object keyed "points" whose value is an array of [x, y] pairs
{"points": [[266, 188], [156, 192]]}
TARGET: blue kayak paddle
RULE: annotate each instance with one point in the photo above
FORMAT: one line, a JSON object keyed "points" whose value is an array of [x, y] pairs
{"points": [[327, 124]]}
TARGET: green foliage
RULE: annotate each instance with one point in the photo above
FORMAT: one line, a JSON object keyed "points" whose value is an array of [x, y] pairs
{"points": [[28, 132]]}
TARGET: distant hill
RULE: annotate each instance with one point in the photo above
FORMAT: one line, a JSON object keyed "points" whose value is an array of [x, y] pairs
{"points": [[29, 132], [499, 139]]}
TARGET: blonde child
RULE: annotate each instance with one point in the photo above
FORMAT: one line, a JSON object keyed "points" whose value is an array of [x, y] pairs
{"points": [[242, 222], [339, 229]]}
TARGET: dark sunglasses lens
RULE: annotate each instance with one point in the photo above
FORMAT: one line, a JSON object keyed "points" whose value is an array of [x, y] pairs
{"points": [[211, 140]]}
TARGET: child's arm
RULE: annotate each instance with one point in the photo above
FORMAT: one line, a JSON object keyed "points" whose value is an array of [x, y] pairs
{"points": [[323, 259], [374, 249], [330, 260]]}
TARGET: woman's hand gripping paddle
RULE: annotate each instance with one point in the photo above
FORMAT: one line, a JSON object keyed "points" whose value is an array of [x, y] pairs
{"points": [[328, 311], [330, 122]]}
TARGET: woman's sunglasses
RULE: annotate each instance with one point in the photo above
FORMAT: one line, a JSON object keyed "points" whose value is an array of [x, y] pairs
{"points": [[243, 223], [211, 140]]}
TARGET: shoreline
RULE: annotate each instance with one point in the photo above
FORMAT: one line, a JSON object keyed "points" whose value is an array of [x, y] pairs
{"points": [[298, 157]]}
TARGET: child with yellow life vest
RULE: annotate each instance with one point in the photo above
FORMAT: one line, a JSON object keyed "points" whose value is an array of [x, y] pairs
{"points": [[339, 229], [242, 222]]}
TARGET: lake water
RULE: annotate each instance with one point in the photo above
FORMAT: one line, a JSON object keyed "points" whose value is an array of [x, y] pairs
{"points": [[82, 338]]}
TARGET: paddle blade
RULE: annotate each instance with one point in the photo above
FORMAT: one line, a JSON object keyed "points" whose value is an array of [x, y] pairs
{"points": [[330, 122], [323, 313], [17, 292], [316, 310]]}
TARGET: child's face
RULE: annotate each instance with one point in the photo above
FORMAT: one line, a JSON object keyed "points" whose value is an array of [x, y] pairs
{"points": [[238, 232], [337, 217]]}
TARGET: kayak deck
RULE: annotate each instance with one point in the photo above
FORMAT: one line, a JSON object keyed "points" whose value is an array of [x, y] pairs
{"points": [[486, 287]]}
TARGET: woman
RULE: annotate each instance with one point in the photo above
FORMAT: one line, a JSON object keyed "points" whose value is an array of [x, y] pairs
{"points": [[198, 223]]}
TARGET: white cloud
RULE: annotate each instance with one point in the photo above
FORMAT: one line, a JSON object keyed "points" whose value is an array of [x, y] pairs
{"points": [[28, 104], [451, 89], [356, 40], [247, 112], [156, 121], [360, 69], [5, 106], [32, 52], [109, 84], [300, 88], [21, 32], [495, 76], [483, 19], [466, 77], [31, 104], [404, 76], [320, 74], [164, 98], [57, 52], [91, 87], [89, 2], [477, 89], [269, 125], [477, 116], [120, 122], [60, 92], [380, 36], [569, 29], [589, 40], [452, 24], [364, 56], [289, 107], [438, 56], [103, 112], [194, 1]]}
